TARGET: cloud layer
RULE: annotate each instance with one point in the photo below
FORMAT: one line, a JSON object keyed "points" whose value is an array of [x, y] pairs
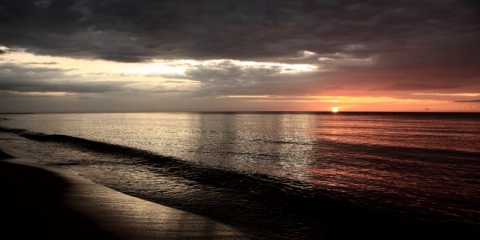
{"points": [[124, 30], [358, 48]]}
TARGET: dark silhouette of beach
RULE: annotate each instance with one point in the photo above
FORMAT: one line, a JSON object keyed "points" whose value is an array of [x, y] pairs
{"points": [[32, 206], [37, 203]]}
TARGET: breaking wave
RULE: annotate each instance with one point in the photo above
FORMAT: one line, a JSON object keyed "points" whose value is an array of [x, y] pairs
{"points": [[278, 207]]}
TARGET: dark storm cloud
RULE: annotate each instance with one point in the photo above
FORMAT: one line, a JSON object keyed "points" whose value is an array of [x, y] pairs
{"points": [[409, 86], [41, 63], [35, 79], [222, 78], [402, 33], [469, 101], [226, 78]]}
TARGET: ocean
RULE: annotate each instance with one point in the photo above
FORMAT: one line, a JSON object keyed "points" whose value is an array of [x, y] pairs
{"points": [[277, 175]]}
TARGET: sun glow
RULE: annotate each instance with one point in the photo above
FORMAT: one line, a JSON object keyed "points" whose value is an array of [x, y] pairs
{"points": [[334, 109]]}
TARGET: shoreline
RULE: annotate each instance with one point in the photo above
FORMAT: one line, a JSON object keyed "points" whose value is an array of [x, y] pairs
{"points": [[294, 215], [51, 203]]}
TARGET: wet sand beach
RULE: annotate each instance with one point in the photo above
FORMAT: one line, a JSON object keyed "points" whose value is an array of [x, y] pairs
{"points": [[40, 202]]}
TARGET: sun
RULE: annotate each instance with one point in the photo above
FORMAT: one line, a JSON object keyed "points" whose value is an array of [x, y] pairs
{"points": [[334, 109]]}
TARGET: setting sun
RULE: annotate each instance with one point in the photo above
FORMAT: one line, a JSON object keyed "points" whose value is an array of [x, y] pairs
{"points": [[334, 109]]}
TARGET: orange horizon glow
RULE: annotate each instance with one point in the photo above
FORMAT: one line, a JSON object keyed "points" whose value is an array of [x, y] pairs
{"points": [[356, 104]]}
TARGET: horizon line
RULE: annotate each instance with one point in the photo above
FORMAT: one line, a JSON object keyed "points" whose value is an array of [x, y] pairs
{"points": [[243, 111]]}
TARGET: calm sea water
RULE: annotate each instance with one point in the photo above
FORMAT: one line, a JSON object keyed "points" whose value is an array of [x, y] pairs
{"points": [[278, 175]]}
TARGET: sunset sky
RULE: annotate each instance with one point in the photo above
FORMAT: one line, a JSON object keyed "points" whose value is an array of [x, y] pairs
{"points": [[217, 55]]}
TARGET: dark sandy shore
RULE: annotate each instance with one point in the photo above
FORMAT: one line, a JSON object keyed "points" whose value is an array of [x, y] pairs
{"points": [[40, 202]]}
